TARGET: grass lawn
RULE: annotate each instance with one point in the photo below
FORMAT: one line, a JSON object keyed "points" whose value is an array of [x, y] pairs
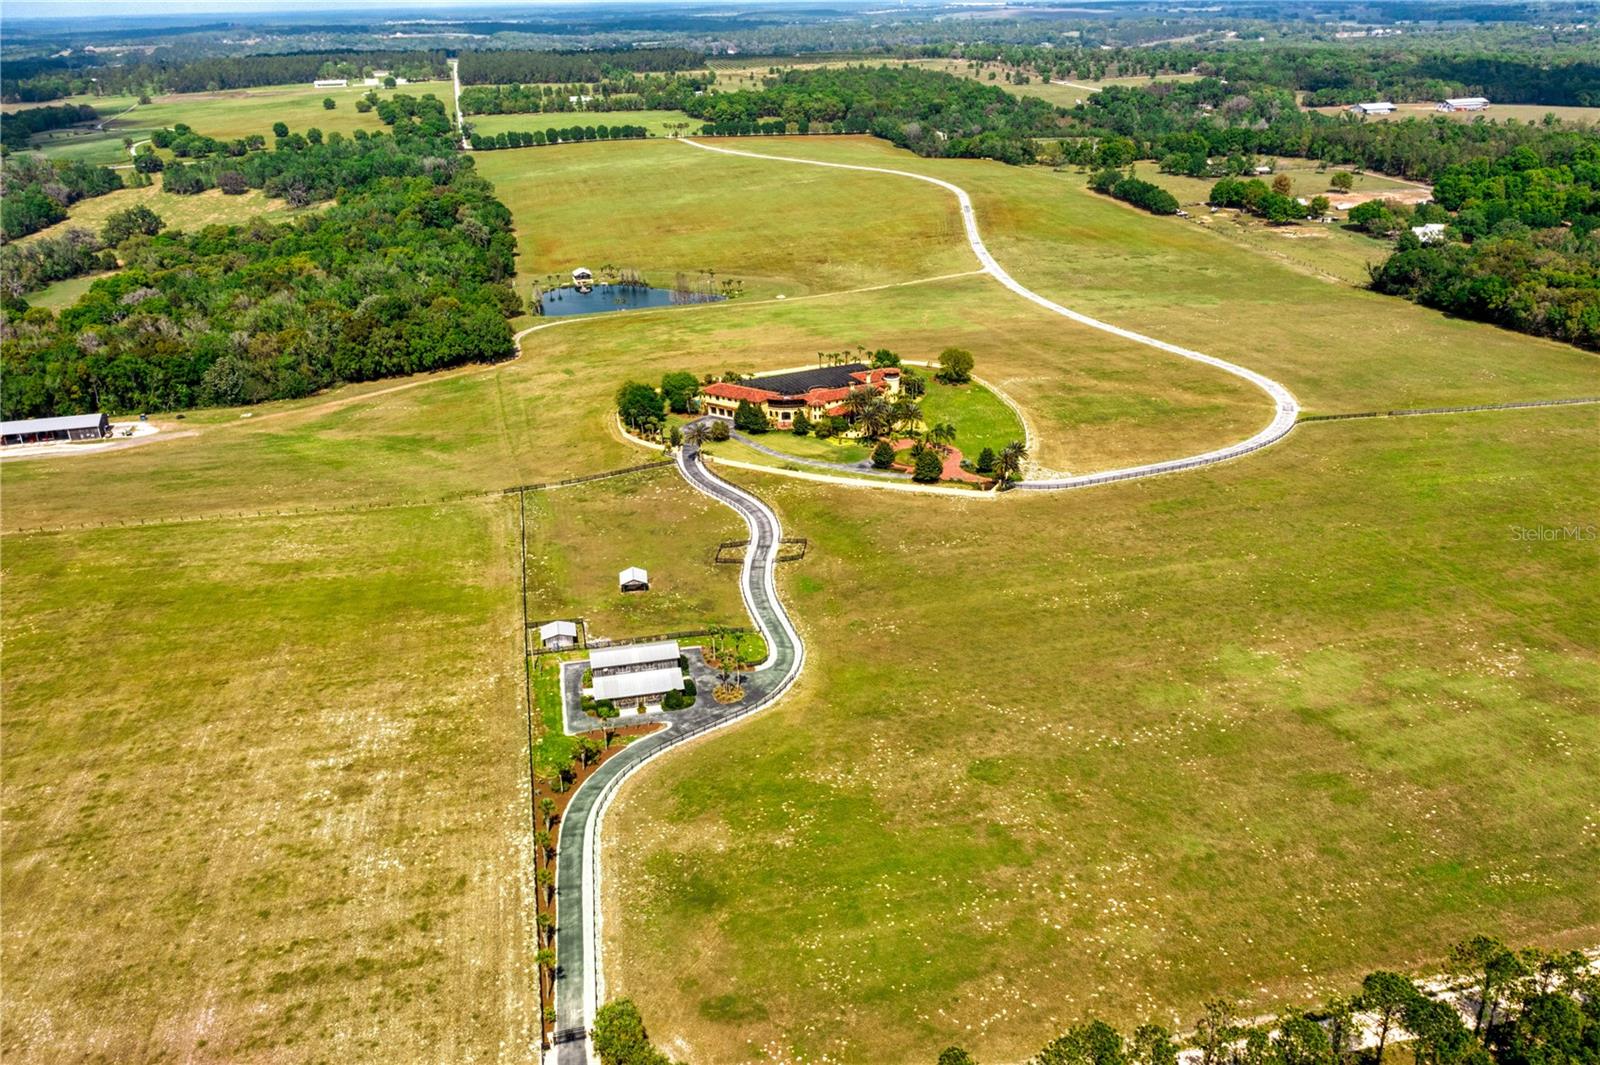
{"points": [[980, 418], [832, 449], [62, 294], [659, 123], [1246, 732], [574, 556], [265, 791], [211, 207]]}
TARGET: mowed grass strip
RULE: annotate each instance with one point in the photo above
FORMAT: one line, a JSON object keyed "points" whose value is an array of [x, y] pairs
{"points": [[1248, 732], [265, 792], [658, 123], [209, 208]]}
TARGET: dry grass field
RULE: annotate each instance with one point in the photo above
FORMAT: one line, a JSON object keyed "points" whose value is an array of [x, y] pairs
{"points": [[1248, 730], [211, 207]]}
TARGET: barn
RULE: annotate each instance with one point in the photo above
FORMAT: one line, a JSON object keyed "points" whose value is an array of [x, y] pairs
{"points": [[45, 430]]}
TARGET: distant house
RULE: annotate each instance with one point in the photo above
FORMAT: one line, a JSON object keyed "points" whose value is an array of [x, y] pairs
{"points": [[331, 83], [1432, 233], [635, 677], [819, 393], [1382, 107], [1464, 103], [44, 430], [633, 579], [556, 634]]}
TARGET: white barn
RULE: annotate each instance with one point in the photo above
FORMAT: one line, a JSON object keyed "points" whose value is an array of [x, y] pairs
{"points": [[1381, 107], [633, 579], [1464, 103], [555, 634], [635, 677]]}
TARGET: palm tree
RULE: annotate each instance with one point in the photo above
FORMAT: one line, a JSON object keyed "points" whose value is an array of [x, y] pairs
{"points": [[907, 413], [545, 878], [1011, 458], [547, 806], [694, 434], [877, 419], [546, 960], [943, 434], [857, 400], [546, 925], [543, 844]]}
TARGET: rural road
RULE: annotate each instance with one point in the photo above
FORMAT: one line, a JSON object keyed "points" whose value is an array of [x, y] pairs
{"points": [[580, 982], [1286, 408]]}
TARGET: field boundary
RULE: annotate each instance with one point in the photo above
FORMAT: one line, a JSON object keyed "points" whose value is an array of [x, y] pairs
{"points": [[1419, 411]]}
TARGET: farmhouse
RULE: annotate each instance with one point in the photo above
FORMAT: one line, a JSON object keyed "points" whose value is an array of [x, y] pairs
{"points": [[1383, 107], [633, 579], [68, 427], [635, 676], [820, 393], [1464, 103], [556, 634]]}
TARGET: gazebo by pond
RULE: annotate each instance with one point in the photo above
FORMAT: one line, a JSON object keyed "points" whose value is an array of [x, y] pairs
{"points": [[633, 579]]}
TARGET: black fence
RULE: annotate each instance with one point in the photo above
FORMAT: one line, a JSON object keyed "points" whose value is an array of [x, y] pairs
{"points": [[684, 634], [660, 465], [790, 549]]}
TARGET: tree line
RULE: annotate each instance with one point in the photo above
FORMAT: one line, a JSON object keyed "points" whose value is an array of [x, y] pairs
{"points": [[505, 67], [1501, 1007], [929, 112], [217, 73], [19, 126], [408, 272], [35, 192], [483, 142], [1207, 119]]}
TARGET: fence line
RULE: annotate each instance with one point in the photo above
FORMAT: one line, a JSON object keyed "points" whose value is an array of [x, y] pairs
{"points": [[729, 547], [684, 634], [657, 465], [1449, 410]]}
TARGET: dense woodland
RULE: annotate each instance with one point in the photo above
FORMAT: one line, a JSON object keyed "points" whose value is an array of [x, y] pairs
{"points": [[214, 74], [406, 272], [930, 112], [36, 192], [505, 68], [631, 92]]}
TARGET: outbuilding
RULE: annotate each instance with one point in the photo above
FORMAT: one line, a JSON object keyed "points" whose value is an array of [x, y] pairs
{"points": [[66, 427], [633, 579], [1381, 107], [558, 634], [1464, 103], [635, 677]]}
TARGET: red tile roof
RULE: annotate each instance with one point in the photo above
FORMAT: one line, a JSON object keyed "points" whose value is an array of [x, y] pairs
{"points": [[728, 390]]}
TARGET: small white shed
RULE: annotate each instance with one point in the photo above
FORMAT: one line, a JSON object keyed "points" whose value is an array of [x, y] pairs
{"points": [[558, 634], [633, 579]]}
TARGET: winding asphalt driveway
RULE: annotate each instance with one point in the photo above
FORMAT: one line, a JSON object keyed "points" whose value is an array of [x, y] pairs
{"points": [[580, 982], [1286, 408]]}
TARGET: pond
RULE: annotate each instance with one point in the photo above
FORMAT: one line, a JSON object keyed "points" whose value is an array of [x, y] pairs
{"points": [[602, 298]]}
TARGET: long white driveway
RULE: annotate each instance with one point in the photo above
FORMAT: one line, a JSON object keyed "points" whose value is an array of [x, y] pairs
{"points": [[1286, 408]]}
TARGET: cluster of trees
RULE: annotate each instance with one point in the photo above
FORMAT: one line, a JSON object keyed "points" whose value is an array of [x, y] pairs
{"points": [[929, 112], [20, 126], [620, 1037], [1529, 1007], [26, 267], [1533, 261], [630, 93], [1190, 123], [563, 68], [403, 274], [216, 73], [35, 192], [1272, 202], [1544, 282], [1129, 189], [484, 142]]}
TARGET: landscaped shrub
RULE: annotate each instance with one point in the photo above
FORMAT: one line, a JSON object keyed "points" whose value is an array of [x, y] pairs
{"points": [[955, 366], [802, 424], [986, 460], [883, 455], [930, 464], [718, 431], [748, 418]]}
